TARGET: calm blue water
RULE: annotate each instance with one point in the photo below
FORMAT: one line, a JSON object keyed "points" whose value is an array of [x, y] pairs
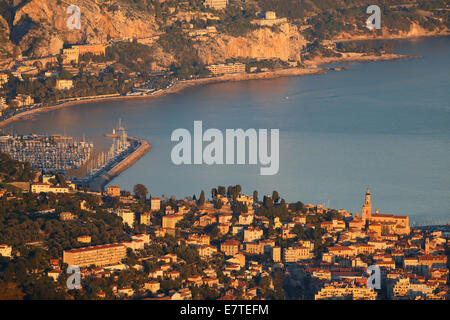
{"points": [[381, 125]]}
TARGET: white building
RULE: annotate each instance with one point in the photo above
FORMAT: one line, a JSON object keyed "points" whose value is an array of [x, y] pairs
{"points": [[252, 234], [5, 250], [216, 4], [64, 84], [127, 216]]}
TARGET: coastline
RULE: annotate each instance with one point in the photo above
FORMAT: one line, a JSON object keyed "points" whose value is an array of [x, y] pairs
{"points": [[313, 68]]}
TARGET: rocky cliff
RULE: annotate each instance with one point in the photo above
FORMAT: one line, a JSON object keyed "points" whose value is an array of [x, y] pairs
{"points": [[284, 44], [39, 27]]}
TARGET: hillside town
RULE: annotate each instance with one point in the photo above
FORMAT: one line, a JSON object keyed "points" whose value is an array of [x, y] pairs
{"points": [[231, 246], [82, 237]]}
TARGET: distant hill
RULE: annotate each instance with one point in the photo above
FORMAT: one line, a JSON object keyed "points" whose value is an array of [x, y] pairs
{"points": [[38, 28]]}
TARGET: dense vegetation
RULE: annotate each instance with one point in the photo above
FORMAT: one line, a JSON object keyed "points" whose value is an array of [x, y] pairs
{"points": [[13, 170]]}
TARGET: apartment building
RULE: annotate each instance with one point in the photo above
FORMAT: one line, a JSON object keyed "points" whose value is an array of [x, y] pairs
{"points": [[294, 254], [254, 248], [46, 187], [155, 204], [62, 84], [230, 247], [339, 291], [206, 251], [103, 255], [341, 251], [70, 55], [169, 221], [228, 68], [196, 239], [216, 4], [252, 234], [127, 216], [145, 218], [113, 191]]}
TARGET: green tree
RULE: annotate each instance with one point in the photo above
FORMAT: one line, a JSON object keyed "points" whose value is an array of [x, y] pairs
{"points": [[140, 191], [201, 200]]}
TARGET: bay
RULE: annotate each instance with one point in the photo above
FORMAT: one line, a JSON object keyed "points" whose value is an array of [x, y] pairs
{"points": [[382, 125]]}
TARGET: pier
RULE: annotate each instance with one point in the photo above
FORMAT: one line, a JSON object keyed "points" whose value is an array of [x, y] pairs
{"points": [[138, 148]]}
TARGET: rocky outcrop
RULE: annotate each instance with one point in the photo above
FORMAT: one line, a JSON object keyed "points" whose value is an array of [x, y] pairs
{"points": [[39, 27], [285, 44]]}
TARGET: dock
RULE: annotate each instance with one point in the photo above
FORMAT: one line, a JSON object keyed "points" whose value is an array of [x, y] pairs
{"points": [[141, 147]]}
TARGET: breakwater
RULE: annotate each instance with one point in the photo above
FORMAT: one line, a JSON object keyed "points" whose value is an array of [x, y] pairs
{"points": [[139, 149]]}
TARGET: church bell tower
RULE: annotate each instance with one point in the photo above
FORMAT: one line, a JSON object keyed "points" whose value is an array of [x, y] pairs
{"points": [[367, 207]]}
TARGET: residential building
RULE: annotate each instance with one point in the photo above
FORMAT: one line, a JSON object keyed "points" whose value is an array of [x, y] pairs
{"points": [[84, 239], [5, 250], [62, 84], [67, 216], [169, 221], [145, 218], [252, 234], [155, 204], [152, 286], [228, 68], [103, 255], [230, 247], [295, 254], [113, 191], [46, 187], [127, 216], [337, 291], [22, 100], [216, 4]]}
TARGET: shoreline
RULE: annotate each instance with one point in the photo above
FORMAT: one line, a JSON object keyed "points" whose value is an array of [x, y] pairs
{"points": [[395, 37], [313, 68]]}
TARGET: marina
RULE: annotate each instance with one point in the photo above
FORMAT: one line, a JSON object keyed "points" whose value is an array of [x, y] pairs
{"points": [[124, 151], [47, 153]]}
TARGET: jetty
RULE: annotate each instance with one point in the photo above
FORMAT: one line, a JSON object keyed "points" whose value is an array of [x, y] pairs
{"points": [[138, 148]]}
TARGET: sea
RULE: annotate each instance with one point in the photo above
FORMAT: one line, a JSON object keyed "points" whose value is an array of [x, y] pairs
{"points": [[378, 125]]}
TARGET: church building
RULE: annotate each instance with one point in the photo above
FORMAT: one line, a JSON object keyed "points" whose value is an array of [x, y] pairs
{"points": [[390, 224]]}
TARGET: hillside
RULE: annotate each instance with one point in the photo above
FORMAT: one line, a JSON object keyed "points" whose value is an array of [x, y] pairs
{"points": [[38, 28]]}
